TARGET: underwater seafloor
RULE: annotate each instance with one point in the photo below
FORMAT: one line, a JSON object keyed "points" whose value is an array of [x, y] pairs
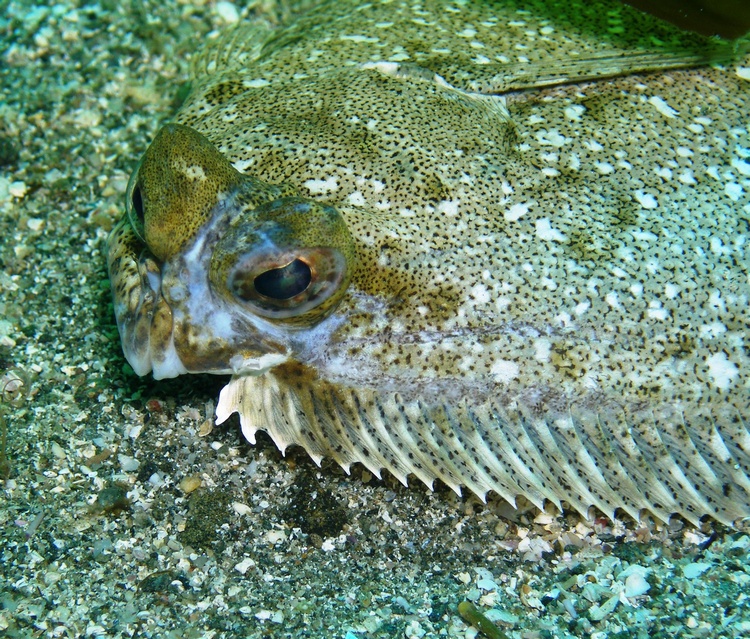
{"points": [[126, 513]]}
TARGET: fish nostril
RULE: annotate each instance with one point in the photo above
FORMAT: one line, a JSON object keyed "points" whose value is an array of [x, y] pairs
{"points": [[138, 202], [285, 282]]}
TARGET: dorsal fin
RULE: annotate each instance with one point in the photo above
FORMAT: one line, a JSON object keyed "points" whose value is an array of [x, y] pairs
{"points": [[235, 48]]}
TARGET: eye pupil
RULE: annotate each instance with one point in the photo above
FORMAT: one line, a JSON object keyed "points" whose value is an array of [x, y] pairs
{"points": [[138, 202], [284, 282]]}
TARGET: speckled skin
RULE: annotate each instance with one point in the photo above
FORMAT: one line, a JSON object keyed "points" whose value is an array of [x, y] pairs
{"points": [[549, 288]]}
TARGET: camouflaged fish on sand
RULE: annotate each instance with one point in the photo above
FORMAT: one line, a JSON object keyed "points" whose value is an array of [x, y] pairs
{"points": [[462, 241]]}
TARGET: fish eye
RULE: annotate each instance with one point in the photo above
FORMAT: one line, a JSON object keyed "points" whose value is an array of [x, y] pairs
{"points": [[287, 285], [285, 282], [137, 201], [289, 260], [134, 204]]}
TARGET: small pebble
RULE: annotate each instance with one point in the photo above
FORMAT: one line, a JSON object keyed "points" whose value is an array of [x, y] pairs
{"points": [[189, 484], [112, 499], [227, 12], [636, 585], [18, 189], [245, 565], [691, 571], [241, 509]]}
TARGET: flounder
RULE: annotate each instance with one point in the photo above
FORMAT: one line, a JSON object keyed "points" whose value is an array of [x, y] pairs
{"points": [[466, 241]]}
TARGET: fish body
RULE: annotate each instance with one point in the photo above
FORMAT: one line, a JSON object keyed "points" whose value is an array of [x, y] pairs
{"points": [[470, 242]]}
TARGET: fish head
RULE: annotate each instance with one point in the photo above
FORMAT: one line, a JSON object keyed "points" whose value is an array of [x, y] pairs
{"points": [[214, 271]]}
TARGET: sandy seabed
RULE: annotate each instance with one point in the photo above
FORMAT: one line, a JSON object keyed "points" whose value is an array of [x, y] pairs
{"points": [[126, 513]]}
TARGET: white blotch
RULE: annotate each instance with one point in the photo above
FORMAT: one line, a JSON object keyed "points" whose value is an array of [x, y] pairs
{"points": [[378, 186], [544, 231], [243, 165], [575, 162], [501, 303], [542, 349], [718, 247], [551, 138], [713, 330], [516, 212], [714, 300], [662, 107], [636, 289], [504, 371], [655, 311], [671, 291], [399, 56], [448, 207], [593, 145], [549, 171], [386, 68], [743, 73], [256, 83], [734, 191], [358, 38], [646, 236], [563, 319], [481, 59], [469, 32], [721, 370], [356, 199], [713, 171], [664, 172], [581, 308], [574, 112], [466, 363], [686, 177], [618, 272], [684, 152], [605, 168], [480, 293], [195, 172], [646, 200], [653, 266], [742, 167], [322, 186], [611, 299]]}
